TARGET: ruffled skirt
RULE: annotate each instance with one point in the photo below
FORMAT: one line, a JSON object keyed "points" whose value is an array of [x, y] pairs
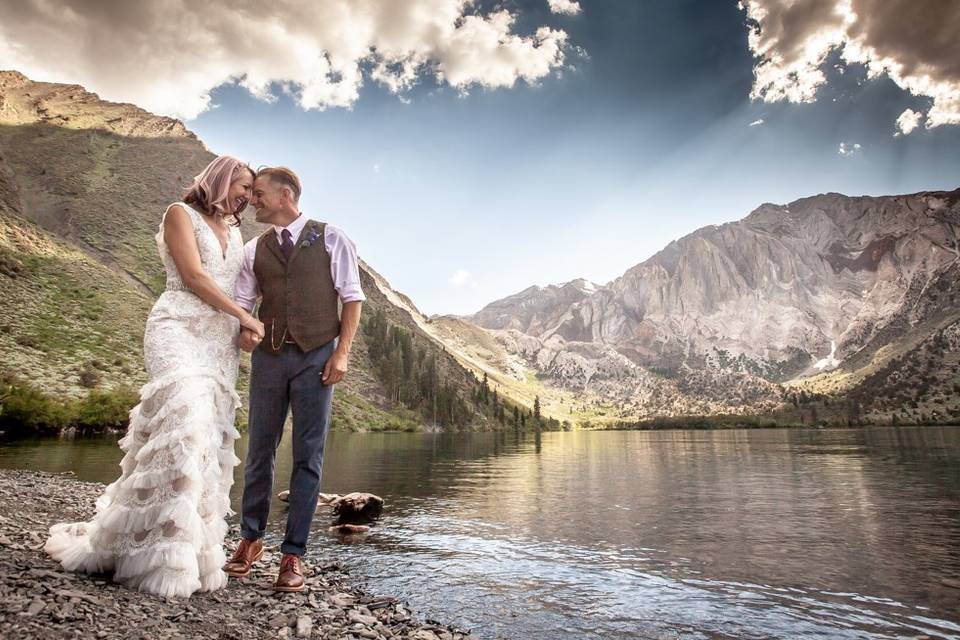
{"points": [[160, 527]]}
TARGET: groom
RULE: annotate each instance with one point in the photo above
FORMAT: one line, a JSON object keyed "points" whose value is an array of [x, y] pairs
{"points": [[299, 269]]}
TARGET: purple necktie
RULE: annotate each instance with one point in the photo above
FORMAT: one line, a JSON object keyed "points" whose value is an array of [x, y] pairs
{"points": [[287, 245]]}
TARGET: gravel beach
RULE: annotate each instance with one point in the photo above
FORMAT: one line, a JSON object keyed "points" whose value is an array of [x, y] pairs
{"points": [[38, 599]]}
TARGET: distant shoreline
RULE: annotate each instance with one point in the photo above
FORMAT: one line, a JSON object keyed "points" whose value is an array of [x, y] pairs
{"points": [[118, 433]]}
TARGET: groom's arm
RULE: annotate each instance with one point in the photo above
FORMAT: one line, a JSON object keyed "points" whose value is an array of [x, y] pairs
{"points": [[345, 271], [337, 365]]}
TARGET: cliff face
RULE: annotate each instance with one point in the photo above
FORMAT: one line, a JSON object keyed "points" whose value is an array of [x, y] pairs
{"points": [[23, 101], [784, 282], [788, 290]]}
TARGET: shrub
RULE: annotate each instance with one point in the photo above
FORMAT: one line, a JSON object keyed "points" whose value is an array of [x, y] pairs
{"points": [[26, 411], [106, 409]]}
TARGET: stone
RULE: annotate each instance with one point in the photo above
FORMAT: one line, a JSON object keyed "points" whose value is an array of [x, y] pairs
{"points": [[380, 602], [348, 529], [341, 600], [304, 626], [359, 618], [36, 606]]}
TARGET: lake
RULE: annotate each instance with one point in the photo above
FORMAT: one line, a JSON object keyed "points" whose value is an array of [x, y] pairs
{"points": [[786, 533]]}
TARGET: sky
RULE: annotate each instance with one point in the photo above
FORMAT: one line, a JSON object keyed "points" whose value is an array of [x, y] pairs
{"points": [[473, 149]]}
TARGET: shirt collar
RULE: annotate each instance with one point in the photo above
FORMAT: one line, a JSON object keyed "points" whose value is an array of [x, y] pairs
{"points": [[294, 228]]}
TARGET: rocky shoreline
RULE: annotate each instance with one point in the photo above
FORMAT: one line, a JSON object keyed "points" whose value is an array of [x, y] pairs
{"points": [[38, 599]]}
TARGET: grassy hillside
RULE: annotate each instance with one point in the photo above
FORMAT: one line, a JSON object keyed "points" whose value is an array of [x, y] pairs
{"points": [[100, 190], [69, 324]]}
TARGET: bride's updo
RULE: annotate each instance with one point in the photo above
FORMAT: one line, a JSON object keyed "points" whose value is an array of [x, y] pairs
{"points": [[210, 189]]}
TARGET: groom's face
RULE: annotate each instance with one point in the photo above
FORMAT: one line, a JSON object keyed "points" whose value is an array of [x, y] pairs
{"points": [[267, 199]]}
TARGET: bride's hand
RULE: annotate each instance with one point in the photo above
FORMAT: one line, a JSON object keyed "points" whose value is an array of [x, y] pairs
{"points": [[249, 322]]}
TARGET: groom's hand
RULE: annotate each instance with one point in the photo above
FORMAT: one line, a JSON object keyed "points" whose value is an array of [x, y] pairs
{"points": [[248, 340], [336, 367]]}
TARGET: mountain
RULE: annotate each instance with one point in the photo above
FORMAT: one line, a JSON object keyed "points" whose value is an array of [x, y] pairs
{"points": [[818, 297], [83, 183], [535, 310]]}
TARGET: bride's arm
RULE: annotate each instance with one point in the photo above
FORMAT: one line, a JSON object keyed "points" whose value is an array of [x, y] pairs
{"points": [[180, 241]]}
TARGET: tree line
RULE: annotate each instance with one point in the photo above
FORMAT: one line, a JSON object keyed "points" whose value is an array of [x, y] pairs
{"points": [[407, 367]]}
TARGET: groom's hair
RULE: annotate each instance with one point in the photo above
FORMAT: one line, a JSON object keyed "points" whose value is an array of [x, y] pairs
{"points": [[283, 176]]}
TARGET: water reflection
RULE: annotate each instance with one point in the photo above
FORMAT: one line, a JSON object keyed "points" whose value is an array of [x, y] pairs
{"points": [[770, 533]]}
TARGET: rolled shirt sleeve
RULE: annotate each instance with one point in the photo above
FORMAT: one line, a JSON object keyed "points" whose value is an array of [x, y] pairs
{"points": [[344, 267], [247, 290]]}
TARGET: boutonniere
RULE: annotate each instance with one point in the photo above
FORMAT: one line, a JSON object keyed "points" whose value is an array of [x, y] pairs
{"points": [[312, 236]]}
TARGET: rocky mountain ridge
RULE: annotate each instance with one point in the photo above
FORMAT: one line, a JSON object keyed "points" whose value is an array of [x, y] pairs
{"points": [[828, 287], [23, 101], [784, 288], [534, 310]]}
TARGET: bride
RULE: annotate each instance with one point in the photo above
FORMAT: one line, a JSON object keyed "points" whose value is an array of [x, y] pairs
{"points": [[160, 526]]}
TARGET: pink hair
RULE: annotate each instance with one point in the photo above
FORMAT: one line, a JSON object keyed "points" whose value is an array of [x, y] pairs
{"points": [[209, 189]]}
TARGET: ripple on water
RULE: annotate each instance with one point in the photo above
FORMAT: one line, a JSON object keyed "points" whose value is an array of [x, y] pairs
{"points": [[477, 572]]}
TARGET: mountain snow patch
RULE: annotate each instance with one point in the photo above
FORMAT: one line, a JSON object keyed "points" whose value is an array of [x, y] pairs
{"points": [[830, 362]]}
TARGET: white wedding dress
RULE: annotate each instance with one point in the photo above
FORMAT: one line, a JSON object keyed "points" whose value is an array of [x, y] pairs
{"points": [[160, 526]]}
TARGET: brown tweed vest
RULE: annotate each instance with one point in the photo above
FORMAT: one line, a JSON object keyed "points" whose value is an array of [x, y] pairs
{"points": [[299, 301]]}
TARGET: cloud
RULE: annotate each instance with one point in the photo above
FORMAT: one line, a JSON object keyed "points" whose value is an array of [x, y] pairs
{"points": [[848, 149], [566, 7], [461, 278], [908, 121], [757, 122], [168, 55], [914, 43]]}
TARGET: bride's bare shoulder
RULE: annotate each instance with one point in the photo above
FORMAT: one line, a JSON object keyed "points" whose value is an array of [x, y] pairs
{"points": [[177, 223], [178, 208], [176, 214]]}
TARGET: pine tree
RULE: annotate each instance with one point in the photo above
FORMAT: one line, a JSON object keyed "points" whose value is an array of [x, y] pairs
{"points": [[396, 365]]}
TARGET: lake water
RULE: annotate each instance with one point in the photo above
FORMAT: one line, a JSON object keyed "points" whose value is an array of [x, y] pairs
{"points": [[632, 534]]}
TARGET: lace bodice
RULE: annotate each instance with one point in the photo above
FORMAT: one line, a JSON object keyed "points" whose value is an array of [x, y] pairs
{"points": [[183, 330], [223, 268]]}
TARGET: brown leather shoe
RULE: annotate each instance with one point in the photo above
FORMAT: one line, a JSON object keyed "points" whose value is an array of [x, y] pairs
{"points": [[291, 574], [248, 552]]}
